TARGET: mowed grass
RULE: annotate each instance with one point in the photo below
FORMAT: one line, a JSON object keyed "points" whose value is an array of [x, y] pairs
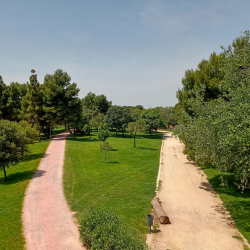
{"points": [[237, 203], [126, 183], [12, 195]]}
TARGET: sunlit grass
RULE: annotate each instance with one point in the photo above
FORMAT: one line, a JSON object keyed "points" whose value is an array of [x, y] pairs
{"points": [[237, 203], [126, 183], [12, 195]]}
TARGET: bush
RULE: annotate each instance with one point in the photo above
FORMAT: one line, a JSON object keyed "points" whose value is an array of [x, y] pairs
{"points": [[103, 230]]}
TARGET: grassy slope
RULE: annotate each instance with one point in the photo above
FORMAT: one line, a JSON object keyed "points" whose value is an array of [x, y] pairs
{"points": [[237, 204], [126, 183], [12, 195]]}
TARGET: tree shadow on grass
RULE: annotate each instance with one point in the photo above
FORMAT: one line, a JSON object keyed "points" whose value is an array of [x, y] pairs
{"points": [[21, 176], [240, 212], [113, 162], [126, 136], [155, 135], [82, 139], [34, 157], [144, 148], [236, 203], [231, 189]]}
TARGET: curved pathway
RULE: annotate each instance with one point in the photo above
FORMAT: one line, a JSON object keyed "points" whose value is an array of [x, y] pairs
{"points": [[198, 218], [47, 220]]}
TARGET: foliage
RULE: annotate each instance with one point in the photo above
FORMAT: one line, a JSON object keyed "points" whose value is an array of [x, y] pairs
{"points": [[134, 127], [61, 104], [10, 100], [96, 102], [217, 132], [104, 230], [32, 102], [14, 140], [103, 132], [152, 121], [53, 102], [118, 117], [31, 133], [97, 119], [86, 129], [105, 147], [208, 73]]}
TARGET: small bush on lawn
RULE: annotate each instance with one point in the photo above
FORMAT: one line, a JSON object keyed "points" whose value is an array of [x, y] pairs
{"points": [[103, 230]]}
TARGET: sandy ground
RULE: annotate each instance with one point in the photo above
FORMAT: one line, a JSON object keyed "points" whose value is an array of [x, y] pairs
{"points": [[47, 220], [198, 219]]}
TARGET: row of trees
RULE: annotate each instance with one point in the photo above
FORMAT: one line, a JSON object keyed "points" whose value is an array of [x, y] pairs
{"points": [[56, 102], [118, 117], [41, 107], [31, 108], [214, 112]]}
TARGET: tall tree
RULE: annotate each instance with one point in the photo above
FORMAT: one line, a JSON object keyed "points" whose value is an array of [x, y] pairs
{"points": [[209, 73], [2, 102], [102, 103], [32, 102], [61, 103], [96, 102]]}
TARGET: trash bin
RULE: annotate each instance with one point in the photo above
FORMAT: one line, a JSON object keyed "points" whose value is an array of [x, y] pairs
{"points": [[150, 219]]}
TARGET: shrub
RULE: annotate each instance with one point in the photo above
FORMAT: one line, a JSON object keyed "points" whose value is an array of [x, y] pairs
{"points": [[103, 230]]}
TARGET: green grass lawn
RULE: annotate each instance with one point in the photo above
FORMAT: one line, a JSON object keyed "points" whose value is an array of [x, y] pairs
{"points": [[237, 204], [12, 196], [125, 184]]}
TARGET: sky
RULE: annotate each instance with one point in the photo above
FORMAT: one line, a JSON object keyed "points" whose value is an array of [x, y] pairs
{"points": [[134, 51]]}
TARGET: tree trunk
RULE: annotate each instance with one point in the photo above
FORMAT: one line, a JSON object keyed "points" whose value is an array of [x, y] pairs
{"points": [[116, 132], [159, 211], [5, 176], [122, 132], [105, 156], [134, 140]]}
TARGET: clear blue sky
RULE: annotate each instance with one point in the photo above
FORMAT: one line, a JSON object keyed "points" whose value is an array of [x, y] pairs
{"points": [[133, 51]]}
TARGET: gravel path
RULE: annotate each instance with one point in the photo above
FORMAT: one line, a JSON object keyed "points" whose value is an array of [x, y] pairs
{"points": [[47, 220], [198, 219]]}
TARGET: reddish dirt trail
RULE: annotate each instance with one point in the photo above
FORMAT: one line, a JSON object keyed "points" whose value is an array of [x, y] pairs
{"points": [[198, 219], [47, 220]]}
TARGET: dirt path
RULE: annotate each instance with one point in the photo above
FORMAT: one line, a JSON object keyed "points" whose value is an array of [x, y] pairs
{"points": [[198, 219], [48, 222]]}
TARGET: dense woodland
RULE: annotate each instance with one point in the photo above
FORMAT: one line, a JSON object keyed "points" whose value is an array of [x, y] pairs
{"points": [[214, 112]]}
